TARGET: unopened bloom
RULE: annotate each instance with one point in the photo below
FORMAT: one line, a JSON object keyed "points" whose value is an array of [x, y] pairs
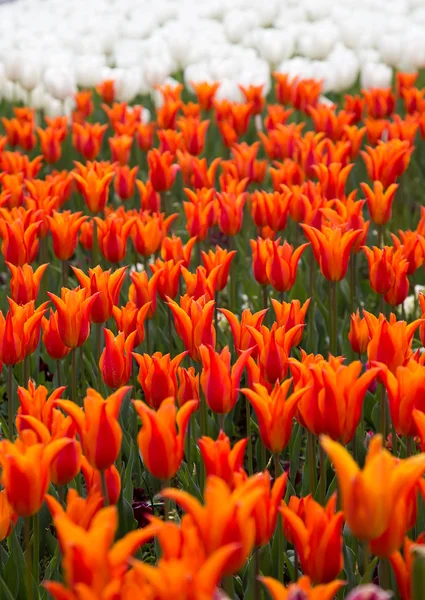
{"points": [[51, 338], [193, 320], [64, 227], [161, 170], [281, 266], [94, 188]]}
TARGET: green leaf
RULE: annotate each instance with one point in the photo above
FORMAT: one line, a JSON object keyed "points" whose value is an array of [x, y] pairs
{"points": [[6, 591]]}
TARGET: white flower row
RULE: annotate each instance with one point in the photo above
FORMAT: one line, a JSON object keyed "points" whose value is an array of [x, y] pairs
{"points": [[50, 47]]}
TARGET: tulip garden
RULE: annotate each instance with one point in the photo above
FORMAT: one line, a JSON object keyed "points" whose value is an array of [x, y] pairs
{"points": [[211, 339]]}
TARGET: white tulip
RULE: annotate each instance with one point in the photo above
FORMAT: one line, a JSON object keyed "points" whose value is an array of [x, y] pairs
{"points": [[52, 106], [375, 75], [88, 70], [13, 63], [30, 74], [60, 83]]}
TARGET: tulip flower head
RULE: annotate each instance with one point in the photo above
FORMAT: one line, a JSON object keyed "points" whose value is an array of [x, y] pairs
{"points": [[161, 438], [223, 461], [73, 315]]}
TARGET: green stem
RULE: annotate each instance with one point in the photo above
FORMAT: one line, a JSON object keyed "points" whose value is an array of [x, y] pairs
{"points": [[296, 564], [279, 532], [322, 466], [409, 446], [104, 484], [10, 403], [384, 573], [98, 352], [263, 456], [36, 547], [257, 587], [228, 586], [311, 451], [65, 273], [61, 492], [333, 318], [383, 413], [147, 337], [248, 435], [28, 557], [221, 421], [170, 331], [353, 281], [166, 484], [365, 561], [26, 370], [74, 374], [95, 246], [311, 324], [188, 446], [394, 440], [59, 372]]}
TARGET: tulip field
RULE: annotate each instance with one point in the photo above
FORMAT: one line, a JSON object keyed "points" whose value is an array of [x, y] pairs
{"points": [[212, 337]]}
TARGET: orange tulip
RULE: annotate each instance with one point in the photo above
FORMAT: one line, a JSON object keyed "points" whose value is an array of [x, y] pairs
{"points": [[106, 286], [80, 511], [143, 290], [188, 385], [221, 258], [265, 512], [20, 242], [94, 188], [331, 249], [26, 486], [369, 495], [50, 141], [193, 321], [281, 266], [83, 105], [205, 93], [391, 340], [317, 538], [199, 212], [231, 212], [116, 359], [51, 339], [406, 393], [262, 252], [172, 248], [106, 90], [219, 381], [160, 444], [87, 138], [200, 284], [221, 460], [158, 376], [327, 120], [194, 132], [92, 564], [161, 170], [270, 209], [275, 412], [412, 249], [73, 316], [274, 346], [13, 190], [120, 146], [149, 231], [97, 426], [382, 269], [124, 181], [387, 161], [169, 277], [242, 338], [333, 404], [290, 314], [64, 227], [225, 517], [150, 200], [130, 318], [93, 481], [19, 332], [113, 233], [359, 333], [8, 517], [144, 135], [35, 402], [25, 283], [379, 202], [379, 102], [402, 565], [302, 589]]}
